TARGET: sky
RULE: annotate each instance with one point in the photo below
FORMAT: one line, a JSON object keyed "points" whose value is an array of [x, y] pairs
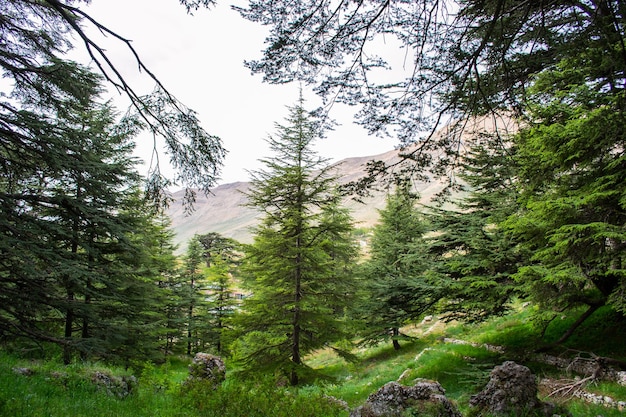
{"points": [[200, 59]]}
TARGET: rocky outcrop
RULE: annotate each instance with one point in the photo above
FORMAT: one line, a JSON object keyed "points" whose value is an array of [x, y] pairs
{"points": [[118, 386], [425, 398], [208, 368], [512, 390], [22, 371]]}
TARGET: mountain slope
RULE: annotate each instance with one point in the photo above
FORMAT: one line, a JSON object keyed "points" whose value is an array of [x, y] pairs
{"points": [[224, 212]]}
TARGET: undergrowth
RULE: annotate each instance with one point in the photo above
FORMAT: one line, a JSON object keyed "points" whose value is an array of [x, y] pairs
{"points": [[51, 389]]}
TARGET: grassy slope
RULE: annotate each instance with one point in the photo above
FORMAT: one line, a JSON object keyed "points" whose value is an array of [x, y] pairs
{"points": [[461, 369]]}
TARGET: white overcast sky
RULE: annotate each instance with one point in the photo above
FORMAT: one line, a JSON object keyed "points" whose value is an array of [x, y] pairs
{"points": [[199, 59]]}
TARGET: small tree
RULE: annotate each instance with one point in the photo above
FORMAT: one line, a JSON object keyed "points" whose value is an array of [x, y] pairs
{"points": [[298, 268], [221, 302], [192, 297], [222, 258]]}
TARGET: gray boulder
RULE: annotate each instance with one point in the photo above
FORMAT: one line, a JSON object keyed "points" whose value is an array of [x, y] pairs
{"points": [[118, 386], [512, 390], [425, 398], [208, 368]]}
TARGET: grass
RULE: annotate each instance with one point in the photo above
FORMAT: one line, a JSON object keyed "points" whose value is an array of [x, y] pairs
{"points": [[56, 390], [462, 369]]}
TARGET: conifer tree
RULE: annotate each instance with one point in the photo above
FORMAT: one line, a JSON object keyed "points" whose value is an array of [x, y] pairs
{"points": [[397, 287], [573, 183], [298, 268], [68, 210], [473, 253], [192, 294], [221, 302], [222, 257], [146, 319]]}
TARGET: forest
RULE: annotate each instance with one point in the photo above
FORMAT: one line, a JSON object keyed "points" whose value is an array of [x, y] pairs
{"points": [[523, 252]]}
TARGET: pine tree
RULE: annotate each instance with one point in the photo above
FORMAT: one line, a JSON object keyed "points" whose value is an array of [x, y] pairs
{"points": [[192, 294], [221, 303], [145, 319], [298, 268], [68, 212], [222, 258], [473, 253], [397, 287], [572, 181]]}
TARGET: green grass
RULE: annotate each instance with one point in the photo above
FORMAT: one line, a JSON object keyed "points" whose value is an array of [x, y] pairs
{"points": [[55, 390]]}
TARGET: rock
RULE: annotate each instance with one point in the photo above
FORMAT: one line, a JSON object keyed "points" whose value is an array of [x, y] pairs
{"points": [[22, 371], [336, 401], [119, 386], [425, 398], [207, 367], [512, 390]]}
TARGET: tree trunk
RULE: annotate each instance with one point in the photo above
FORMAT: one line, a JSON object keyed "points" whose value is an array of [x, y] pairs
{"points": [[190, 319], [189, 333], [69, 321], [572, 328], [295, 351], [394, 339]]}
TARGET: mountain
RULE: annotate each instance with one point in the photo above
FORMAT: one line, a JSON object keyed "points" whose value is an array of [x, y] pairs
{"points": [[224, 211]]}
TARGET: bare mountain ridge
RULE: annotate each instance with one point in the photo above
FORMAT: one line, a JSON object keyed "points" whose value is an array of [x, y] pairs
{"points": [[224, 210]]}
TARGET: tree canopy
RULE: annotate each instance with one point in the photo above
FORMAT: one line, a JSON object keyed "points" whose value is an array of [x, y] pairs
{"points": [[461, 58], [297, 269], [38, 36]]}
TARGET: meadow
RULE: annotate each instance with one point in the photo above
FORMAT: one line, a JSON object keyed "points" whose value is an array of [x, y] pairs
{"points": [[459, 357]]}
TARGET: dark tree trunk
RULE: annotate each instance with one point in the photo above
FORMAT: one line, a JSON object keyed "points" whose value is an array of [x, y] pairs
{"points": [[572, 328], [69, 321], [394, 339]]}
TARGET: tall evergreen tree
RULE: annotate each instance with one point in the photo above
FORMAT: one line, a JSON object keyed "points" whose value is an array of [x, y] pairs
{"points": [[572, 178], [397, 287], [67, 197], [298, 268], [474, 254], [145, 322]]}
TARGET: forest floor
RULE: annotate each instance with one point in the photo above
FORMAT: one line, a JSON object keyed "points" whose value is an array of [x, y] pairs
{"points": [[458, 356]]}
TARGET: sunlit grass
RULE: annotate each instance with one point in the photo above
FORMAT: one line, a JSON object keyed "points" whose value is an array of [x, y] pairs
{"points": [[462, 370]]}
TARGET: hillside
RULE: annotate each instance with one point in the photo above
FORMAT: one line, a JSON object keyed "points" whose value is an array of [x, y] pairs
{"points": [[223, 211]]}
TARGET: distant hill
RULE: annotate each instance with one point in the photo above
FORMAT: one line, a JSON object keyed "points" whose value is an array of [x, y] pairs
{"points": [[224, 210]]}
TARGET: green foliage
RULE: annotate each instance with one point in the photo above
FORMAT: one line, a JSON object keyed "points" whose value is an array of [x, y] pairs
{"points": [[571, 177], [55, 390], [39, 35], [475, 257], [261, 399], [298, 268], [222, 258], [396, 287], [595, 335], [77, 271]]}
